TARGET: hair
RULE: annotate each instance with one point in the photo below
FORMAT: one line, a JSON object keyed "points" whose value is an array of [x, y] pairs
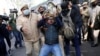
{"points": [[42, 7], [64, 5], [51, 3], [59, 9]]}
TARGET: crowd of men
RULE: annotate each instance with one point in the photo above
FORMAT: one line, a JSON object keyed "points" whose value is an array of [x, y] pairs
{"points": [[47, 31]]}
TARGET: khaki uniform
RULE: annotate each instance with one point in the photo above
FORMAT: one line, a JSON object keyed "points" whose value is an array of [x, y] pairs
{"points": [[85, 18], [93, 13], [31, 36]]}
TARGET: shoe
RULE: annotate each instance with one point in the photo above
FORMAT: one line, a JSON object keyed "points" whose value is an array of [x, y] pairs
{"points": [[94, 45]]}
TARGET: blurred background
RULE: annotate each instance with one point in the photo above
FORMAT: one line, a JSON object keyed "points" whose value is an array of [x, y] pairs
{"points": [[6, 5]]}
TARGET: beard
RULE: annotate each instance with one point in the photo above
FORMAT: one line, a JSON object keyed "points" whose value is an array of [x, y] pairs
{"points": [[93, 4]]}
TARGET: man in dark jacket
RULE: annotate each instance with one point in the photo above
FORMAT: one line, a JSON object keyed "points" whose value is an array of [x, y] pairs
{"points": [[76, 18], [3, 34], [51, 32]]}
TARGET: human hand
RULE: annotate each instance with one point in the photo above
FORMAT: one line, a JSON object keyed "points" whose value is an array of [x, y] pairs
{"points": [[91, 25], [24, 29]]}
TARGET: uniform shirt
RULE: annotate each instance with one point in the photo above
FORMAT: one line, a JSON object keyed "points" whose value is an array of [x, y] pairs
{"points": [[93, 12]]}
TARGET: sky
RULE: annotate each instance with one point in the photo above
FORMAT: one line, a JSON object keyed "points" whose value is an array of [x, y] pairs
{"points": [[5, 5]]}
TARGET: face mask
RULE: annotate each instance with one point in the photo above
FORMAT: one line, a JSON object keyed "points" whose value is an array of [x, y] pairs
{"points": [[26, 12], [93, 4]]}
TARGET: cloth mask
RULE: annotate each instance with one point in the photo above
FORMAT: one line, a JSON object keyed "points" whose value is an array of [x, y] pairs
{"points": [[26, 12]]}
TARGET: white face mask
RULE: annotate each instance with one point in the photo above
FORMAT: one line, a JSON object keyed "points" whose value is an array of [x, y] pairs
{"points": [[26, 12]]}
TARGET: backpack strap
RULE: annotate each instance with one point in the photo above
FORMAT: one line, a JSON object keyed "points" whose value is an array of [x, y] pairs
{"points": [[67, 18]]}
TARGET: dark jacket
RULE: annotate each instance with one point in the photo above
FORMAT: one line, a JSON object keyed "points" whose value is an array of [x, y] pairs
{"points": [[76, 16], [4, 34], [41, 23], [52, 31]]}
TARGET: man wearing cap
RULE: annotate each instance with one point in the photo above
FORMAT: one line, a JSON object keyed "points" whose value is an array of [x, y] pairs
{"points": [[27, 24], [94, 11], [85, 17]]}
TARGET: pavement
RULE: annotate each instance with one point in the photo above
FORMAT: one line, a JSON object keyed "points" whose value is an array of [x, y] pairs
{"points": [[86, 50]]}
